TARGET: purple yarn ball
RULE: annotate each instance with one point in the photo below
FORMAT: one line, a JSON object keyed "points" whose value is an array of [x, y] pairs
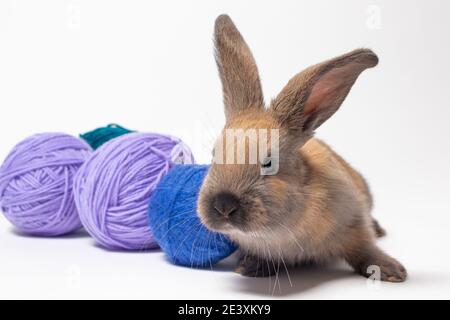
{"points": [[112, 189], [36, 182]]}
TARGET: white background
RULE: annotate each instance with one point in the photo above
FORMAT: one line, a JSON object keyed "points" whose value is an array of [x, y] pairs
{"points": [[75, 65]]}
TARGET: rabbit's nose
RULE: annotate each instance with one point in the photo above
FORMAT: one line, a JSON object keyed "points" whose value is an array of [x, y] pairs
{"points": [[226, 204]]}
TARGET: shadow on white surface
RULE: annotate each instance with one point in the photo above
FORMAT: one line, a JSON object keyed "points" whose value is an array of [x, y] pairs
{"points": [[299, 280], [79, 234], [293, 282], [117, 250]]}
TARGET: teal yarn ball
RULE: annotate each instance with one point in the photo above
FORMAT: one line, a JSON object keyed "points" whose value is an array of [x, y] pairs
{"points": [[99, 136], [175, 224]]}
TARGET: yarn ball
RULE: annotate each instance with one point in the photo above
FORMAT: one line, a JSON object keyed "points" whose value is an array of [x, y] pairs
{"points": [[36, 184], [113, 187], [99, 136], [175, 223]]}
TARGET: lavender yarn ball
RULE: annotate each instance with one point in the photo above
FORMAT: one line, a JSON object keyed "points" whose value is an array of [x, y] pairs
{"points": [[113, 187], [36, 182]]}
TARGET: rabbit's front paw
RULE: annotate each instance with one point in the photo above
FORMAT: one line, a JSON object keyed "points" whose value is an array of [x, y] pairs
{"points": [[251, 266]]}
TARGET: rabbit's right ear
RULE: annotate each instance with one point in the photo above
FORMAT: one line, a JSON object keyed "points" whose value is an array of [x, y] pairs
{"points": [[315, 94], [237, 68]]}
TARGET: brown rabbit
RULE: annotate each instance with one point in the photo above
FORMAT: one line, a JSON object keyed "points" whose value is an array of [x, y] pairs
{"points": [[316, 206]]}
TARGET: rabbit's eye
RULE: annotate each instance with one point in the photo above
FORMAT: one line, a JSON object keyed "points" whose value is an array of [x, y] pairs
{"points": [[266, 163]]}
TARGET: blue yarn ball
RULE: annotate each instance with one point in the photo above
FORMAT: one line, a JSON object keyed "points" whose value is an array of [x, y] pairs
{"points": [[175, 224]]}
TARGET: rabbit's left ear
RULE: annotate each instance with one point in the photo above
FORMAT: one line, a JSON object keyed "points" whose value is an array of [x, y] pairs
{"points": [[315, 94]]}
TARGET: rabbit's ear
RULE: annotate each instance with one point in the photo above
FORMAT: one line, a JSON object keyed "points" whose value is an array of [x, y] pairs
{"points": [[237, 69], [315, 94]]}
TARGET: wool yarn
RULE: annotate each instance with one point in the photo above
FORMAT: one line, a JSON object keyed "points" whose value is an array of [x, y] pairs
{"points": [[113, 187], [36, 184], [99, 136], [175, 223]]}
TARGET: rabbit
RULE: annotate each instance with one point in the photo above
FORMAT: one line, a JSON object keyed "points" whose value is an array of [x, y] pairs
{"points": [[316, 207]]}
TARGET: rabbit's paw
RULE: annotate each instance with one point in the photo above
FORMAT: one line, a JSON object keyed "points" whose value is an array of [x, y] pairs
{"points": [[251, 266]]}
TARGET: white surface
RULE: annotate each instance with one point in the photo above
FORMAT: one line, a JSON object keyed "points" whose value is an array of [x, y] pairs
{"points": [[75, 65]]}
